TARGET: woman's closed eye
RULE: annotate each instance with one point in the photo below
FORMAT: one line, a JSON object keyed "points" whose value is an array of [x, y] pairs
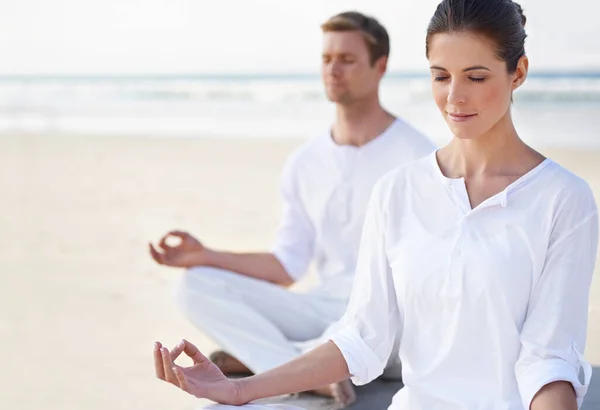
{"points": [[474, 79]]}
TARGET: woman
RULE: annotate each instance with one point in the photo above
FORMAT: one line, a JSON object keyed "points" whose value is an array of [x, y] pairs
{"points": [[481, 254]]}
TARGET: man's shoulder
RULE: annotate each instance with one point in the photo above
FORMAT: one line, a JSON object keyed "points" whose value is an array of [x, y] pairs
{"points": [[305, 154], [310, 146], [409, 139]]}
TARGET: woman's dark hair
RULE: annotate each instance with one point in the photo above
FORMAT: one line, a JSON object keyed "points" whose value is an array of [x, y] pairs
{"points": [[502, 21]]}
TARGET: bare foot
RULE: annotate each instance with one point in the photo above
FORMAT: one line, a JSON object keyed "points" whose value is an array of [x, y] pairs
{"points": [[228, 364], [343, 393]]}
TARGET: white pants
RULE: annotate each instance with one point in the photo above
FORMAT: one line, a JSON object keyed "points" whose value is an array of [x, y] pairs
{"points": [[261, 324], [256, 321]]}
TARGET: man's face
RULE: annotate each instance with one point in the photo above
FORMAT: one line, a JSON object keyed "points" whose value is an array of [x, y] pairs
{"points": [[346, 69]]}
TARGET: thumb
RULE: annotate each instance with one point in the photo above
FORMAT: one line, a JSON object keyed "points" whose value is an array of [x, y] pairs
{"points": [[183, 382], [193, 353]]}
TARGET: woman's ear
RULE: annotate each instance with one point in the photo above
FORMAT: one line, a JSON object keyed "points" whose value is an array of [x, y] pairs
{"points": [[521, 72]]}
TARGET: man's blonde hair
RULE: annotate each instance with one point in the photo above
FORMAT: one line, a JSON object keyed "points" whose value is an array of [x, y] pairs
{"points": [[375, 35]]}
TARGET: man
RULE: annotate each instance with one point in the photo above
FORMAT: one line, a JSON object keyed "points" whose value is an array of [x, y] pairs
{"points": [[242, 300]]}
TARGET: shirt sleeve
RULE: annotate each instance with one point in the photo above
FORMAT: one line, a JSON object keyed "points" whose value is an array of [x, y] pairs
{"points": [[554, 333], [294, 244], [365, 335]]}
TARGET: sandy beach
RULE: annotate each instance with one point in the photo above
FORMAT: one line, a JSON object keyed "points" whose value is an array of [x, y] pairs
{"points": [[81, 302]]}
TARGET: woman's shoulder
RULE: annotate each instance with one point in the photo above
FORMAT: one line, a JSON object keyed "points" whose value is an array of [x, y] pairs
{"points": [[569, 189], [570, 200], [406, 178]]}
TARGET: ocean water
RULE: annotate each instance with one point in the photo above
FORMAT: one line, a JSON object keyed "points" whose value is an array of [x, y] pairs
{"points": [[552, 109]]}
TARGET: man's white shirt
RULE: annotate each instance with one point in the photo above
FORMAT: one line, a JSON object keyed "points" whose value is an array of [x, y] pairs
{"points": [[326, 189]]}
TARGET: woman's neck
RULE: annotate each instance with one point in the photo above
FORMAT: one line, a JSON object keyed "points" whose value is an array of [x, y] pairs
{"points": [[499, 152]]}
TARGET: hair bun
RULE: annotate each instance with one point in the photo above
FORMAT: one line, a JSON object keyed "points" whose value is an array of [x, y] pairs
{"points": [[521, 14]]}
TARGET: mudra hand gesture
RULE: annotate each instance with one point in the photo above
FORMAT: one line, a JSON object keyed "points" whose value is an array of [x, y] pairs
{"points": [[202, 379]]}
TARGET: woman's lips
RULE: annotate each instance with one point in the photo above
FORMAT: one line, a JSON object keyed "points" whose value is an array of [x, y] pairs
{"points": [[456, 117]]}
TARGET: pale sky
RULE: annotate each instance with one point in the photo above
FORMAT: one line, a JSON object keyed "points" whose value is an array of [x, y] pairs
{"points": [[228, 36]]}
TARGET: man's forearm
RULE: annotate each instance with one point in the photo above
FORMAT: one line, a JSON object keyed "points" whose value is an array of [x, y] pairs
{"points": [[555, 396], [264, 266], [317, 368]]}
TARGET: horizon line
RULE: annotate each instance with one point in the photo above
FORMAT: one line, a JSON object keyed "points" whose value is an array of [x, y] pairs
{"points": [[540, 73]]}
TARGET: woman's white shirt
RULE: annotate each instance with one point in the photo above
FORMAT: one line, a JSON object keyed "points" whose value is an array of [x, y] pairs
{"points": [[491, 302]]}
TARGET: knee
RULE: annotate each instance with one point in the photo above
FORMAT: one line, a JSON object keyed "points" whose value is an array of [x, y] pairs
{"points": [[197, 287]]}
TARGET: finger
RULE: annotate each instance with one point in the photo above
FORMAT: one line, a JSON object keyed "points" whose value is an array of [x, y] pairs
{"points": [[183, 383], [192, 351], [176, 351], [163, 243], [179, 234], [158, 362], [168, 367], [157, 256]]}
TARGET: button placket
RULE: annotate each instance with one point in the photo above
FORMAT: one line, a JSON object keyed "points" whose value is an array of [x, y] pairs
{"points": [[342, 194], [458, 192], [457, 251], [453, 279]]}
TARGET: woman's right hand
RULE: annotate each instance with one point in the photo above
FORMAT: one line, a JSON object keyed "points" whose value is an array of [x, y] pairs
{"points": [[203, 379]]}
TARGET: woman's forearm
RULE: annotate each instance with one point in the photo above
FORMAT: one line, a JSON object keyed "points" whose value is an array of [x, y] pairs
{"points": [[555, 396], [319, 367]]}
